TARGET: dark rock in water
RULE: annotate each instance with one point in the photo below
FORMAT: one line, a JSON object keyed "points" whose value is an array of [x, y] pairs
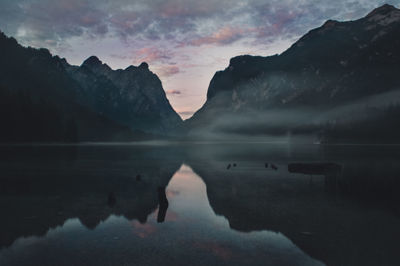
{"points": [[234, 165], [112, 200], [266, 165], [162, 204], [138, 178], [229, 166], [273, 166], [314, 168]]}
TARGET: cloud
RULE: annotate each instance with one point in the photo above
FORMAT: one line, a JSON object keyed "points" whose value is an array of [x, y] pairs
{"points": [[186, 113], [178, 38], [225, 35], [167, 71], [153, 54], [119, 56], [173, 92], [212, 22]]}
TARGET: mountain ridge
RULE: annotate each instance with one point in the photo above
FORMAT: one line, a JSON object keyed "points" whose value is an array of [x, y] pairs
{"points": [[34, 81], [133, 96], [330, 66]]}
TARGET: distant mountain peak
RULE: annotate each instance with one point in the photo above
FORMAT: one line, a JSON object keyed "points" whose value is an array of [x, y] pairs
{"points": [[144, 65], [131, 68], [382, 10], [330, 23], [92, 61], [95, 64]]}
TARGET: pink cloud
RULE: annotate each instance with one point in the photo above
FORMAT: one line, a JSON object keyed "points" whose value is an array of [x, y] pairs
{"points": [[176, 92], [153, 54], [282, 18], [88, 20], [167, 71], [225, 35], [176, 9]]}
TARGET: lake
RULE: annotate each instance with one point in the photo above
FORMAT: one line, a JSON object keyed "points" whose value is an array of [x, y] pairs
{"points": [[199, 203]]}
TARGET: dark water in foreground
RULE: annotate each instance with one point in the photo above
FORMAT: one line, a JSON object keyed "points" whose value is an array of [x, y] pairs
{"points": [[180, 205]]}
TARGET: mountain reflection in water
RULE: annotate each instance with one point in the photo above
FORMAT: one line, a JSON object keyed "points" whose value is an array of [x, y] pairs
{"points": [[85, 205]]}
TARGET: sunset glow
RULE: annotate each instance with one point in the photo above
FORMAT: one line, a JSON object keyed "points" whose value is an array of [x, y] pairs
{"points": [[184, 42]]}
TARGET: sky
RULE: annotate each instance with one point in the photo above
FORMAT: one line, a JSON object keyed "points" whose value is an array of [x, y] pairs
{"points": [[184, 41]]}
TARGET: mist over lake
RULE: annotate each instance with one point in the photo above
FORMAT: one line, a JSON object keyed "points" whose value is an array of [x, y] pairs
{"points": [[194, 132]]}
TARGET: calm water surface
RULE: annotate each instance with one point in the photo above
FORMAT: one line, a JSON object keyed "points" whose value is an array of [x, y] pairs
{"points": [[180, 205]]}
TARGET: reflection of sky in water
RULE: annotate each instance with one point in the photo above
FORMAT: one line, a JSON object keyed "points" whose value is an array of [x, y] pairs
{"points": [[56, 206], [191, 233]]}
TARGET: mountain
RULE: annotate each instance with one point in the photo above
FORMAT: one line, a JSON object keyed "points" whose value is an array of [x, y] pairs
{"points": [[80, 186], [44, 99], [133, 97], [349, 203], [334, 75], [37, 101]]}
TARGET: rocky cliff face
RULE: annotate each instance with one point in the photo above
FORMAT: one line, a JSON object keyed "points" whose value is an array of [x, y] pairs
{"points": [[38, 101], [45, 99], [133, 97], [337, 64]]}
